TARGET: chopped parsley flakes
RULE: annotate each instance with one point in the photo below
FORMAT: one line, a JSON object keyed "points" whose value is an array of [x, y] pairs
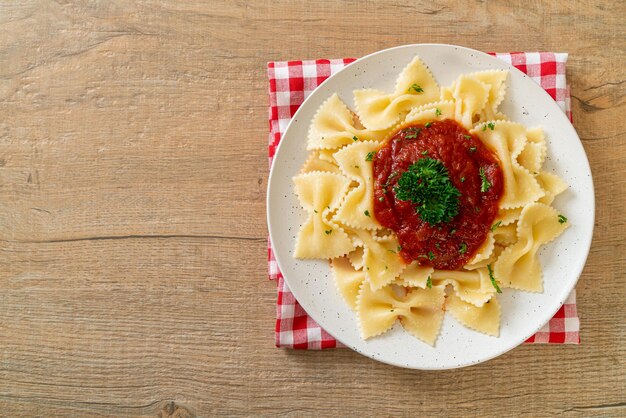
{"points": [[562, 219], [463, 248], [354, 138], [328, 232], [437, 112], [429, 283], [412, 133], [494, 283], [495, 226], [367, 213], [427, 124], [485, 185], [416, 88], [370, 155]]}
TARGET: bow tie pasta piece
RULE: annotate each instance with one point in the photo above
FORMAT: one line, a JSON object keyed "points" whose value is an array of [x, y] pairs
{"points": [[497, 249], [328, 155], [471, 286], [315, 163], [477, 96], [518, 266], [485, 250], [420, 311], [505, 234], [507, 216], [534, 152], [357, 208], [485, 319], [496, 80], [552, 184], [348, 280], [320, 194], [470, 97], [333, 127], [415, 86], [414, 275], [507, 139], [381, 261], [356, 258], [425, 314], [429, 112]]}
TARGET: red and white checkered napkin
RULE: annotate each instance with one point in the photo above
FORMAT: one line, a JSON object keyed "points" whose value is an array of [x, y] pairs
{"points": [[290, 83]]}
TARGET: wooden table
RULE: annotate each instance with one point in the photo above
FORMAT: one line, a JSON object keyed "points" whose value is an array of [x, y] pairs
{"points": [[133, 170]]}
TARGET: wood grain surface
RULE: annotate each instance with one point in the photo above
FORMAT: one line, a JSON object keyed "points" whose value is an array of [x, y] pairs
{"points": [[133, 169]]}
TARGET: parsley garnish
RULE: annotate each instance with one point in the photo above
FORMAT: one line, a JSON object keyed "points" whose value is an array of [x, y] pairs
{"points": [[429, 283], [391, 251], [417, 88], [437, 112], [467, 136], [381, 199], [453, 231], [485, 185], [562, 219], [427, 184], [491, 125], [431, 255], [354, 138], [472, 149], [437, 246], [463, 248], [495, 226], [391, 176], [367, 213], [328, 232], [314, 211], [370, 155], [493, 279], [427, 124], [462, 179], [425, 152], [414, 132], [399, 248]]}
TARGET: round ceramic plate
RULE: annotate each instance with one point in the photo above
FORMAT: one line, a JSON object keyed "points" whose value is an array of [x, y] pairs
{"points": [[523, 313]]}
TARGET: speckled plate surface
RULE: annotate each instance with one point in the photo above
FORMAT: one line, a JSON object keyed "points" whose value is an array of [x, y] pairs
{"points": [[523, 313]]}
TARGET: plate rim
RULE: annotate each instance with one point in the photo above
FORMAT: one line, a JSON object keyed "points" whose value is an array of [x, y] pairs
{"points": [[565, 291]]}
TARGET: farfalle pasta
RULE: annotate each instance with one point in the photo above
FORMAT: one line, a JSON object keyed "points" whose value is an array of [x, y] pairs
{"points": [[427, 199]]}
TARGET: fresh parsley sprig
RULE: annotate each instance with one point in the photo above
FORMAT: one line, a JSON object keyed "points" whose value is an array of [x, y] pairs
{"points": [[427, 184]]}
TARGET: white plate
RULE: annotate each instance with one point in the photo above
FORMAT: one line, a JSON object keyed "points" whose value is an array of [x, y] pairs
{"points": [[523, 313]]}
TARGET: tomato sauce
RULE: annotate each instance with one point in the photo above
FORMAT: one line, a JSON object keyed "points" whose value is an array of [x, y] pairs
{"points": [[444, 245]]}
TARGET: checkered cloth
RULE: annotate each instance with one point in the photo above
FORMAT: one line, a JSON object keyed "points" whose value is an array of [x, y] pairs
{"points": [[290, 82]]}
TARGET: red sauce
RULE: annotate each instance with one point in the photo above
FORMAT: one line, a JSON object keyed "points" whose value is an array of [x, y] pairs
{"points": [[463, 154]]}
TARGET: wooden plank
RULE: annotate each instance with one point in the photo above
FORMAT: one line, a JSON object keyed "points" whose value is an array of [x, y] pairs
{"points": [[133, 171]]}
